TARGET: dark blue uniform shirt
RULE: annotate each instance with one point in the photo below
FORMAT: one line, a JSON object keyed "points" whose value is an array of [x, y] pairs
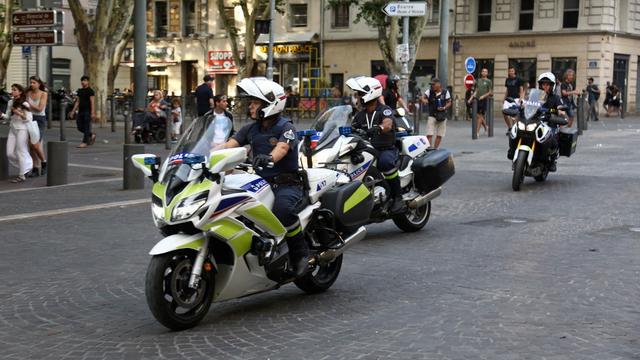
{"points": [[264, 140]]}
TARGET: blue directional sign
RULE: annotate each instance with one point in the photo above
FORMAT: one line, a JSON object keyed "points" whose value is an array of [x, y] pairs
{"points": [[26, 52], [470, 64]]}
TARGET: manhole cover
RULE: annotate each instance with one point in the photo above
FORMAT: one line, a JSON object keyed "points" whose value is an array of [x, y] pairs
{"points": [[634, 229], [100, 175], [515, 221]]}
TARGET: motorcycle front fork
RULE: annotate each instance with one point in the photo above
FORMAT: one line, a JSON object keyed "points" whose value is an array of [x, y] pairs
{"points": [[196, 272]]}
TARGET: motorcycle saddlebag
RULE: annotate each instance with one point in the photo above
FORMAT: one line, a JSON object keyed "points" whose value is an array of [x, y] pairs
{"points": [[568, 141], [432, 169], [350, 203]]}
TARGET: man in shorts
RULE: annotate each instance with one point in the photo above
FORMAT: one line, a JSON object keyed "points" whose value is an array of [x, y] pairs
{"points": [[484, 89], [439, 101]]}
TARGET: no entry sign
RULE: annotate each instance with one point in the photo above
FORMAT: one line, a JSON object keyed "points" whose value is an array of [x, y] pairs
{"points": [[468, 81]]}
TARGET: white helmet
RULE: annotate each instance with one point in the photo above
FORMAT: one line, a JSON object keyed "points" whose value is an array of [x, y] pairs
{"points": [[548, 77], [265, 90], [369, 88]]}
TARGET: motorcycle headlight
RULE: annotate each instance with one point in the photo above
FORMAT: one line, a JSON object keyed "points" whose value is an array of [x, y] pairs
{"points": [[521, 125], [532, 127], [189, 206]]}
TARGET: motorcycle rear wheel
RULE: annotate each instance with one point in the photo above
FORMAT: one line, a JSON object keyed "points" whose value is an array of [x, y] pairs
{"points": [[321, 278], [518, 172], [169, 297], [413, 219]]}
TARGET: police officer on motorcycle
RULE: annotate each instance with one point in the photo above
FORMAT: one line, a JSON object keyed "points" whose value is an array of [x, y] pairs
{"points": [[546, 83], [273, 141], [377, 122]]}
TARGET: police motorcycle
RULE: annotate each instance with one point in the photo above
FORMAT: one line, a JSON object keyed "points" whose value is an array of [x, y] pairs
{"points": [[222, 240], [330, 143], [535, 125]]}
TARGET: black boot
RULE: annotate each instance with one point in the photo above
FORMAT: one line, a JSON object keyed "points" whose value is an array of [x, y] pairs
{"points": [[298, 255], [397, 206], [44, 168]]}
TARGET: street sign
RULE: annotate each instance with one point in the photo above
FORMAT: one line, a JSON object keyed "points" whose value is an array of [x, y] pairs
{"points": [[405, 9], [470, 64], [402, 53], [26, 52], [38, 37], [469, 80], [33, 19]]}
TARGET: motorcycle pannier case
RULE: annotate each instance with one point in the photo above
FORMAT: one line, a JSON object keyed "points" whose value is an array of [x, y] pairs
{"points": [[350, 203], [568, 141], [432, 169]]}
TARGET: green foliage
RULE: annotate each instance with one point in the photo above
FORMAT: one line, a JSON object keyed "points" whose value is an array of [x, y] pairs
{"points": [[368, 10]]}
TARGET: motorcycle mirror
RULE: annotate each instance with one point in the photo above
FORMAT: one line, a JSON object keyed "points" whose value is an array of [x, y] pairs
{"points": [[148, 164]]}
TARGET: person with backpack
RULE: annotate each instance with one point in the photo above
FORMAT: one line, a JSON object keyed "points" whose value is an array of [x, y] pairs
{"points": [[593, 94], [438, 100]]}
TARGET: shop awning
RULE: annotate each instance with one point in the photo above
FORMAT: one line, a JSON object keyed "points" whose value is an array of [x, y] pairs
{"points": [[289, 38]]}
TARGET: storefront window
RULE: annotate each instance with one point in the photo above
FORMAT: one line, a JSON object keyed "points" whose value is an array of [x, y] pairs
{"points": [[291, 76], [525, 69], [526, 15], [560, 65], [298, 15]]}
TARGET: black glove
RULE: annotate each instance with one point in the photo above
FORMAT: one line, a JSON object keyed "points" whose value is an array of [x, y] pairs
{"points": [[373, 131], [262, 160]]}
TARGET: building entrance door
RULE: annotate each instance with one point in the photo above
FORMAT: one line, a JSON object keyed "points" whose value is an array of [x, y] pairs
{"points": [[620, 71]]}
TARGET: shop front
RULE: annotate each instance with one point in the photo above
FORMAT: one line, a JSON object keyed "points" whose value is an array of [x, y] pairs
{"points": [[222, 67], [161, 62]]}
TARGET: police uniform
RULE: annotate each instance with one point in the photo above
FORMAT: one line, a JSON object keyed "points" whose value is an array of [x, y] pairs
{"points": [[385, 143], [283, 176]]}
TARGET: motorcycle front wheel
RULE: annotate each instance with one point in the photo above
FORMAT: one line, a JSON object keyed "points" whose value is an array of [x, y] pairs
{"points": [[413, 219], [518, 172], [321, 278], [171, 301]]}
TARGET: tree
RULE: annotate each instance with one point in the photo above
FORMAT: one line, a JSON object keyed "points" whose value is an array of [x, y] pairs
{"points": [[101, 41], [243, 50], [6, 10], [389, 30]]}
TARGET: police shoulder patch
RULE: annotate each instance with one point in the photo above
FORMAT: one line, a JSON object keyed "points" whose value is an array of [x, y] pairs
{"points": [[289, 135], [387, 112]]}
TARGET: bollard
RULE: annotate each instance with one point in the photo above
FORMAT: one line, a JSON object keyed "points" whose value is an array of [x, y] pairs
{"points": [[622, 103], [456, 106], [474, 118], [490, 115], [126, 112], [4, 161], [58, 160], [112, 104], [63, 118], [585, 122], [133, 179], [580, 116]]}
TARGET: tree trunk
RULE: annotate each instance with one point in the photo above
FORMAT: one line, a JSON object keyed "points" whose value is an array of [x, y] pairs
{"points": [[96, 70], [5, 42]]}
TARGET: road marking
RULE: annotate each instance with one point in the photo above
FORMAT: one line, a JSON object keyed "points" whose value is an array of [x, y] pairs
{"points": [[96, 167], [73, 210], [59, 186]]}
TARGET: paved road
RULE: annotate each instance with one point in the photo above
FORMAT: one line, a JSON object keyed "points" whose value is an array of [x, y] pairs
{"points": [[550, 272]]}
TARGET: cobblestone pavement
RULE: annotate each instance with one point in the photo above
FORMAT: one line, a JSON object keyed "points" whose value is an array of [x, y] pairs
{"points": [[550, 272]]}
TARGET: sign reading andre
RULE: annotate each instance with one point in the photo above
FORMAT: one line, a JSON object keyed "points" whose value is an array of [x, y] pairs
{"points": [[405, 9], [44, 18], [38, 37]]}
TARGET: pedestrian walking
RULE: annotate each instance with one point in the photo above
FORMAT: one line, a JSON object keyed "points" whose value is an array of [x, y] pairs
{"points": [[438, 101], [484, 89], [607, 98], [568, 91], [615, 104], [593, 94], [85, 107], [176, 117], [204, 96], [18, 139], [37, 97], [515, 90]]}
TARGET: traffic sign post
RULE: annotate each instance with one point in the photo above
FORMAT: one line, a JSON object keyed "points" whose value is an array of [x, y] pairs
{"points": [[26, 52], [38, 37], [35, 19], [470, 65], [405, 9], [469, 80]]}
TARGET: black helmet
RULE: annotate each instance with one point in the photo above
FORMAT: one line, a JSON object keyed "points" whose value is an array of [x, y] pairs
{"points": [[392, 82]]}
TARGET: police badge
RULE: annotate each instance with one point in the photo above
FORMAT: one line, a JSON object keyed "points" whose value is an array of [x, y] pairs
{"points": [[289, 135], [387, 112]]}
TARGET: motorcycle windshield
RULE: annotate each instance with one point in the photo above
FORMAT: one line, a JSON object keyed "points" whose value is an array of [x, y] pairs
{"points": [[204, 135], [533, 103], [327, 125]]}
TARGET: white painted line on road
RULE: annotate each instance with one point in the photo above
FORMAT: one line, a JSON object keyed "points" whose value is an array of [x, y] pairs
{"points": [[59, 186], [73, 210], [96, 167]]}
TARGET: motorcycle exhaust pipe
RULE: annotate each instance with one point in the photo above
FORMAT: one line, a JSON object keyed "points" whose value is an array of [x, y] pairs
{"points": [[424, 199], [331, 254]]}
